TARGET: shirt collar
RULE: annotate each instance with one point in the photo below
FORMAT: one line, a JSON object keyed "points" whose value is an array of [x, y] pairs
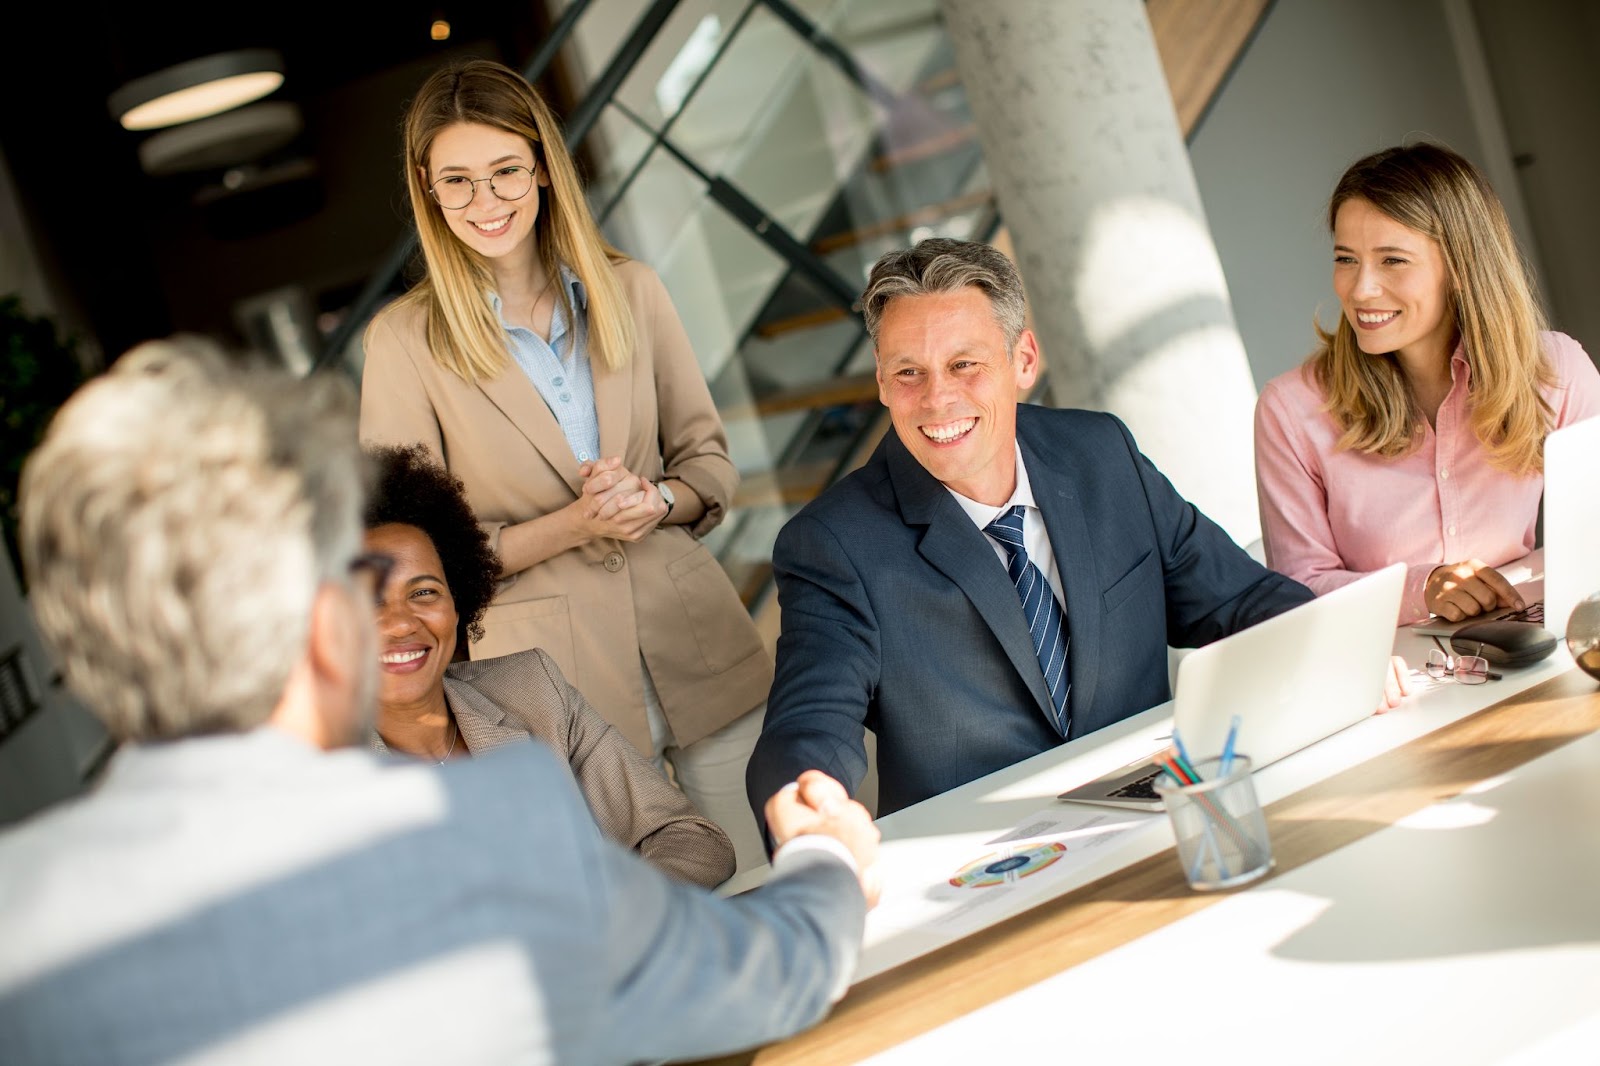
{"points": [[982, 514], [579, 296]]}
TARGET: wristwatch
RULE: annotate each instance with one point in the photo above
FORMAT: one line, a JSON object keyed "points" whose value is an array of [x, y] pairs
{"points": [[666, 495]]}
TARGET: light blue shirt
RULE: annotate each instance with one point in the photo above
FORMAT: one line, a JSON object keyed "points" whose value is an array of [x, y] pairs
{"points": [[560, 368]]}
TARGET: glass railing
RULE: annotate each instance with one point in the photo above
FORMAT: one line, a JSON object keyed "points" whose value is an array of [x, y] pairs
{"points": [[760, 156]]}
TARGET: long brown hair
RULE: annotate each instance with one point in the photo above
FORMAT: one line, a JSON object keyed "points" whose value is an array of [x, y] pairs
{"points": [[1495, 313], [462, 329]]}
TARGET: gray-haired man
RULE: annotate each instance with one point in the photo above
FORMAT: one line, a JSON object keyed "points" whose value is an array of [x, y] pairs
{"points": [[998, 577], [243, 887]]}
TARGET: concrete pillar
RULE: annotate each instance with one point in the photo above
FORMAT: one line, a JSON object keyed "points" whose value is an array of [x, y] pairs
{"points": [[1094, 184]]}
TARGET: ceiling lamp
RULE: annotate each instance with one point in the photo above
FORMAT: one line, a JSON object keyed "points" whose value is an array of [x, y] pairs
{"points": [[198, 88], [225, 140]]}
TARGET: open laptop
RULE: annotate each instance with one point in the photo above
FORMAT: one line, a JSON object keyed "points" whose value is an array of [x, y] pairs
{"points": [[1292, 680], [1553, 579]]}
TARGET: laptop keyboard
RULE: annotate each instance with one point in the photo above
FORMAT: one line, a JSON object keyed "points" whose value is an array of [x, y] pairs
{"points": [[1139, 788], [1534, 612]]}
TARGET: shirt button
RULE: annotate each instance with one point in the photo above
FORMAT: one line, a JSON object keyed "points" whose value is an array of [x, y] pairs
{"points": [[614, 561], [1451, 531], [566, 397], [583, 457], [558, 381], [1444, 475]]}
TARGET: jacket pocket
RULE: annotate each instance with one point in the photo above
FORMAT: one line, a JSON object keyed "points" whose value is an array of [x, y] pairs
{"points": [[722, 627], [543, 623], [1126, 585]]}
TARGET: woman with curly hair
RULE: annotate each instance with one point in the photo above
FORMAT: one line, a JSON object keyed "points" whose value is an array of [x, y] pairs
{"points": [[1416, 432], [431, 707]]}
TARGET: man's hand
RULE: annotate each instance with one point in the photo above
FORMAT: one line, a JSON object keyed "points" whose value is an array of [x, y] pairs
{"points": [[816, 803], [1460, 590], [1396, 684]]}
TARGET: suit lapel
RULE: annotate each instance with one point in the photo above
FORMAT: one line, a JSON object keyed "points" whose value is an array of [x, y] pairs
{"points": [[512, 392], [956, 548], [1055, 491], [482, 722]]}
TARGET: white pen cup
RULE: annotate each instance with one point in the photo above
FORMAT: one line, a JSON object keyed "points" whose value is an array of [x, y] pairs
{"points": [[1220, 829]]}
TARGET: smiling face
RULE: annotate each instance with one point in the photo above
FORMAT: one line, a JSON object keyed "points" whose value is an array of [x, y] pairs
{"points": [[490, 226], [416, 621], [952, 391], [1393, 286]]}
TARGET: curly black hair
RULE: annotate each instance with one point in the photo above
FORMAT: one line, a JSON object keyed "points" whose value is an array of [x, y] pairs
{"points": [[410, 488]]}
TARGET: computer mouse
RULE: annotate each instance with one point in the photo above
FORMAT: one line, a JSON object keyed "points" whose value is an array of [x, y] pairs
{"points": [[1504, 643]]}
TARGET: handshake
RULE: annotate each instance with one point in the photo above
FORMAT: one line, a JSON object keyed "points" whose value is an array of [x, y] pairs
{"points": [[816, 803]]}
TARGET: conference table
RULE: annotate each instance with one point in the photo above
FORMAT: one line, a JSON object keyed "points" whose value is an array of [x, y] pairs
{"points": [[1435, 897]]}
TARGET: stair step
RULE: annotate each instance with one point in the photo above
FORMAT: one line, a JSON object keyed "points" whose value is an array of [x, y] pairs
{"points": [[806, 320], [784, 488], [921, 216], [858, 388], [927, 148]]}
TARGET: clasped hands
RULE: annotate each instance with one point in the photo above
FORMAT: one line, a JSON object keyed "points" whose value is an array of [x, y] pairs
{"points": [[816, 803], [616, 502]]}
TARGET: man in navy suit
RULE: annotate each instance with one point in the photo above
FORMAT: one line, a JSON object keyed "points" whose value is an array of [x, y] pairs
{"points": [[998, 577]]}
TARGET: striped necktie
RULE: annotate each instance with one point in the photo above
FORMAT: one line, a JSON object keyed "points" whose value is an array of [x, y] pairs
{"points": [[1046, 624]]}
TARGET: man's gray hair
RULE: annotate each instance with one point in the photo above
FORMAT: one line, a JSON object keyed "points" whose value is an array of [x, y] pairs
{"points": [[939, 265], [176, 523]]}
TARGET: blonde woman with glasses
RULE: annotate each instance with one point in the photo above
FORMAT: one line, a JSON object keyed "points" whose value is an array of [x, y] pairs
{"points": [[550, 373], [1416, 432]]}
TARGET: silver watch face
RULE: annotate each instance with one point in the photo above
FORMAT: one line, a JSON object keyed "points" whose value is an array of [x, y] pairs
{"points": [[666, 494]]}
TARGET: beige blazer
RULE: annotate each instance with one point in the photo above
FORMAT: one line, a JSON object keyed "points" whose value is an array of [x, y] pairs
{"points": [[507, 700], [597, 607]]}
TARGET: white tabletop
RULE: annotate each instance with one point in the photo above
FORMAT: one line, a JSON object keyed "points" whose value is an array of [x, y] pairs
{"points": [[1468, 932], [926, 844]]}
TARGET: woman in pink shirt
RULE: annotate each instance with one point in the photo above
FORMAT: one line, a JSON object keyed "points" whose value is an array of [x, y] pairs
{"points": [[1415, 433]]}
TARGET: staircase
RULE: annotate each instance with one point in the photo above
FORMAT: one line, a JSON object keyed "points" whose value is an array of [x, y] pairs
{"points": [[760, 155]]}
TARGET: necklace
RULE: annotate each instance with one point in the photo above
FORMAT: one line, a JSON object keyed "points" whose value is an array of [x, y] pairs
{"points": [[454, 733]]}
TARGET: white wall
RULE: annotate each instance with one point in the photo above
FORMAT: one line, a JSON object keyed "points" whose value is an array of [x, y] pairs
{"points": [[1544, 57], [1324, 83]]}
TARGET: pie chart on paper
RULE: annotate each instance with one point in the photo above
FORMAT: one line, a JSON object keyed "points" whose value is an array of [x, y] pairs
{"points": [[1007, 866]]}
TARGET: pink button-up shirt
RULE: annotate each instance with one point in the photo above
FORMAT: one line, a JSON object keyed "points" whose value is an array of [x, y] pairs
{"points": [[1329, 516]]}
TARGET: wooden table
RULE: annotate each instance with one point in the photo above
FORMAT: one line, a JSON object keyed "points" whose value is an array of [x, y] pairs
{"points": [[898, 1005]]}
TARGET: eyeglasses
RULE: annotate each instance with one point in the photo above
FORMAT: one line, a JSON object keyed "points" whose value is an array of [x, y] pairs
{"points": [[375, 563], [455, 192], [1466, 669]]}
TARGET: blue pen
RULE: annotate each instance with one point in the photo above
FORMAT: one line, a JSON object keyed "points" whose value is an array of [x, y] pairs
{"points": [[1226, 762], [1183, 754]]}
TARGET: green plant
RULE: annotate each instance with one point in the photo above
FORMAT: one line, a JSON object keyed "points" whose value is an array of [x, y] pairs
{"points": [[39, 371]]}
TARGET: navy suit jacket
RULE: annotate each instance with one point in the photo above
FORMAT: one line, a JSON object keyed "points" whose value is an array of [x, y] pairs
{"points": [[898, 615]]}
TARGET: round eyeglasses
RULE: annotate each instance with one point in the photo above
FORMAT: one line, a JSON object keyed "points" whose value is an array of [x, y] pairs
{"points": [[455, 191], [1465, 669]]}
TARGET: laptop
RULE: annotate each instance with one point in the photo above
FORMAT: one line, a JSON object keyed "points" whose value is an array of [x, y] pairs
{"points": [[1553, 579], [1292, 680]]}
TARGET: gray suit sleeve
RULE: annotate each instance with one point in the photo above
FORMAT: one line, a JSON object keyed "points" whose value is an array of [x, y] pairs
{"points": [[692, 975]]}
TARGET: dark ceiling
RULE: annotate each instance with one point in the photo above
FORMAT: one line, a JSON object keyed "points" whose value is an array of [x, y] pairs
{"points": [[131, 256]]}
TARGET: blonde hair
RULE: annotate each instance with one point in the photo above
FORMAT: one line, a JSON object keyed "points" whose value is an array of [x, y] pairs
{"points": [[176, 523], [1493, 308], [463, 332]]}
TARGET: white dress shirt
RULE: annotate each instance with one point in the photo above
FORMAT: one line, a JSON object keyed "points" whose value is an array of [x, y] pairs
{"points": [[1035, 539]]}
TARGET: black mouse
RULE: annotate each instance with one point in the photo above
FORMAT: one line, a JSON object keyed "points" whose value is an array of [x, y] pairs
{"points": [[1504, 643]]}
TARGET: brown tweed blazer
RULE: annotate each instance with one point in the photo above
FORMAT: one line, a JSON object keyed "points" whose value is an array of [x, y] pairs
{"points": [[508, 699], [598, 607]]}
